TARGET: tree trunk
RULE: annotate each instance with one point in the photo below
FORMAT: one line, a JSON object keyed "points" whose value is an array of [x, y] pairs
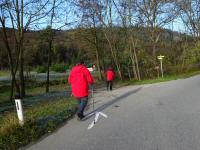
{"points": [[48, 65], [154, 52], [14, 85], [97, 53], [21, 47], [133, 63], [10, 58], [129, 73], [98, 65], [114, 57], [21, 74], [136, 63], [50, 46]]}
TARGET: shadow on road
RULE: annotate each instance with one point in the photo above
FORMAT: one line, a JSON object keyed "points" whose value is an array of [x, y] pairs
{"points": [[108, 104]]}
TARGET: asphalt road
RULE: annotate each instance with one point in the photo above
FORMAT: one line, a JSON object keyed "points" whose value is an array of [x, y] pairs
{"points": [[163, 116]]}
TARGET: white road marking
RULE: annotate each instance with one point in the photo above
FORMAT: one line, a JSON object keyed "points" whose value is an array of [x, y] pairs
{"points": [[97, 114]]}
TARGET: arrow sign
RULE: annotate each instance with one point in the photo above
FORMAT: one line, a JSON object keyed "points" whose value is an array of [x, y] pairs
{"points": [[160, 57], [91, 125]]}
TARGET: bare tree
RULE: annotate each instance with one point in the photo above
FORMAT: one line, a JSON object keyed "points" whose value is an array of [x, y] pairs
{"points": [[20, 15], [103, 10], [58, 18], [127, 13], [105, 13], [13, 61], [50, 41], [190, 15], [155, 14], [89, 20]]}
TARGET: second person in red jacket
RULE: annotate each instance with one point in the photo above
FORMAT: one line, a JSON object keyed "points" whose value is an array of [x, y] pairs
{"points": [[80, 78], [110, 76]]}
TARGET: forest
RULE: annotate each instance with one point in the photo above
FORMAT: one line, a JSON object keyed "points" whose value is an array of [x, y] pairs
{"points": [[45, 36]]}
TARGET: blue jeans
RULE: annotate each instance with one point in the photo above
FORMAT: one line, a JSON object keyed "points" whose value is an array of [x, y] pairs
{"points": [[82, 103]]}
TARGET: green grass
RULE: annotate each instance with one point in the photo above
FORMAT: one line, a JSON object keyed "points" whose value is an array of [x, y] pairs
{"points": [[35, 96], [34, 88], [4, 96], [39, 120], [40, 90], [190, 74], [164, 79], [4, 73]]}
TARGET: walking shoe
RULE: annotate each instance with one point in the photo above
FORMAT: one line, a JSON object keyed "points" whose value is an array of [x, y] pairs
{"points": [[80, 116]]}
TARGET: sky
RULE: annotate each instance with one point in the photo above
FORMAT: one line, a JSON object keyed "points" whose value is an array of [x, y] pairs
{"points": [[177, 25], [67, 18]]}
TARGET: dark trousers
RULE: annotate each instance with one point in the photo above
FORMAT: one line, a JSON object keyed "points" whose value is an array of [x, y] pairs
{"points": [[109, 85], [82, 103]]}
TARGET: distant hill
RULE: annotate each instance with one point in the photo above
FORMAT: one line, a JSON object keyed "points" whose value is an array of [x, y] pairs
{"points": [[61, 35]]}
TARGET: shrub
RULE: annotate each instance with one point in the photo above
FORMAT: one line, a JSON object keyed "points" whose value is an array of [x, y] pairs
{"points": [[59, 67], [40, 69]]}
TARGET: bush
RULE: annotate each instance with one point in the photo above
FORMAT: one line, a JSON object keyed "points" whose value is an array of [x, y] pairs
{"points": [[59, 67], [40, 69], [39, 120]]}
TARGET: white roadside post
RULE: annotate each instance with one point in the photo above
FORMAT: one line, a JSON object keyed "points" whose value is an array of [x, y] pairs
{"points": [[161, 66], [19, 108]]}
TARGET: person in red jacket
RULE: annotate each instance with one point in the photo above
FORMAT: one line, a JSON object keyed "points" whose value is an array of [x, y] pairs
{"points": [[79, 79], [110, 76]]}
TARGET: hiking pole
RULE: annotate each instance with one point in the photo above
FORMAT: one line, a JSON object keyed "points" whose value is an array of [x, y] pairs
{"points": [[96, 114], [93, 98], [93, 105]]}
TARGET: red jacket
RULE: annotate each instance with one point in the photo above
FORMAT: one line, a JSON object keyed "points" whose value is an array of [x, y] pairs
{"points": [[110, 75], [79, 78]]}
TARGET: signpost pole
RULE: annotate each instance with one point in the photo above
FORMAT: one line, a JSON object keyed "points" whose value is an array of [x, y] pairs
{"points": [[161, 65]]}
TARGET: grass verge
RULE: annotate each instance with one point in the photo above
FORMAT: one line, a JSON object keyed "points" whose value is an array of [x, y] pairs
{"points": [[168, 78], [38, 121], [157, 80], [33, 90]]}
